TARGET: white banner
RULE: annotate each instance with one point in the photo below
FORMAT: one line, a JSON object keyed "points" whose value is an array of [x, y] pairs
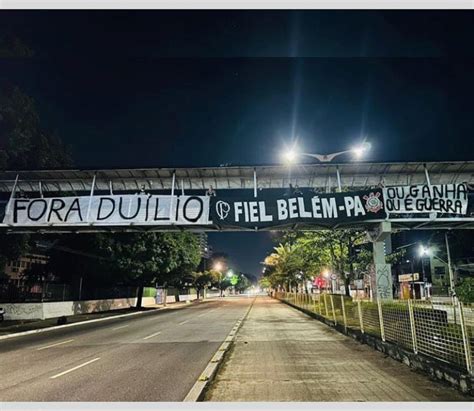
{"points": [[113, 210], [444, 198]]}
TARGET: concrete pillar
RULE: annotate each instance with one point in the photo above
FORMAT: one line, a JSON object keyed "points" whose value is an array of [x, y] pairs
{"points": [[382, 271]]}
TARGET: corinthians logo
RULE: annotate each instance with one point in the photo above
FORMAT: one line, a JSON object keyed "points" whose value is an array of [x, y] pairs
{"points": [[222, 209], [373, 202]]}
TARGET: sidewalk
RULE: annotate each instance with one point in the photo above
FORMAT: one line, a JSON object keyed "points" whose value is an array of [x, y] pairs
{"points": [[281, 354]]}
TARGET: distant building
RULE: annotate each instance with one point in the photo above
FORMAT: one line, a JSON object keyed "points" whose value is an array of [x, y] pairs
{"points": [[15, 269], [206, 250]]}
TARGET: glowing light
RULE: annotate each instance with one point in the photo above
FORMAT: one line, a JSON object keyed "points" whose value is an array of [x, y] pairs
{"points": [[361, 149], [290, 155], [422, 251], [218, 266]]}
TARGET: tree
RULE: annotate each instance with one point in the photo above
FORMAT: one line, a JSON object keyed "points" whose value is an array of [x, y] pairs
{"points": [[264, 282], [242, 284], [284, 264], [306, 254], [24, 144], [221, 282], [465, 290], [144, 258], [202, 280], [13, 47]]}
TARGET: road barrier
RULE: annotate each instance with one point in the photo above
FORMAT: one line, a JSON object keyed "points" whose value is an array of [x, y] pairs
{"points": [[440, 330]]}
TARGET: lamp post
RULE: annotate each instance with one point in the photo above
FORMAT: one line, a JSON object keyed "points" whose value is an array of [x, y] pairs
{"points": [[427, 251], [218, 266], [291, 155]]}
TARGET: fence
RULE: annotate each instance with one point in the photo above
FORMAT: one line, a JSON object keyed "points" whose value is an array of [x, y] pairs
{"points": [[442, 330]]}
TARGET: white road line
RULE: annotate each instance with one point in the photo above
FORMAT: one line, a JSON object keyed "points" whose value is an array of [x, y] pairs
{"points": [[152, 335], [208, 312], [118, 328], [75, 368], [183, 322], [53, 345]]}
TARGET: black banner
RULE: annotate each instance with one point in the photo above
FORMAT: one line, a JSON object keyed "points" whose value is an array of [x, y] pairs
{"points": [[272, 209]]}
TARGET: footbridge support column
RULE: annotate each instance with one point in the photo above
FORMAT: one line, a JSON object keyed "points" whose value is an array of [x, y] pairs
{"points": [[381, 281]]}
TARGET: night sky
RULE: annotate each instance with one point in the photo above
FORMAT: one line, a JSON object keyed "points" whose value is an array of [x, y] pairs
{"points": [[159, 89]]}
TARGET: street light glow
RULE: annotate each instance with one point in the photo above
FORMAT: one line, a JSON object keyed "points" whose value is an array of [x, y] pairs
{"points": [[422, 250], [218, 266], [361, 149], [290, 155], [230, 273]]}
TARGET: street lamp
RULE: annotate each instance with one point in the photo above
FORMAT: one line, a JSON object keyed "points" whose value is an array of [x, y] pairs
{"points": [[424, 251], [218, 266], [291, 155]]}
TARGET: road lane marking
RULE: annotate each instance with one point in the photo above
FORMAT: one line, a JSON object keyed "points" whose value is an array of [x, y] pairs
{"points": [[183, 322], [208, 312], [74, 369], [152, 335], [118, 328], [53, 345]]}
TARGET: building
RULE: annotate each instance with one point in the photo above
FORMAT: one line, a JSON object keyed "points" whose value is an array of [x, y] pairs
{"points": [[203, 245], [206, 251], [15, 269]]}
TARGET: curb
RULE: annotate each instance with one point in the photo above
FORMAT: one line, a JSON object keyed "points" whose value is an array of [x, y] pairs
{"points": [[56, 327], [207, 376]]}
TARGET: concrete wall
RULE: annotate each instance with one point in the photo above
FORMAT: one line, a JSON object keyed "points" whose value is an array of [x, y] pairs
{"points": [[41, 311]]}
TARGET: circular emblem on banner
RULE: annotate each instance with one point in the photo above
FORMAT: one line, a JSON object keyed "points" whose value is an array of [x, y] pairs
{"points": [[373, 203], [222, 209]]}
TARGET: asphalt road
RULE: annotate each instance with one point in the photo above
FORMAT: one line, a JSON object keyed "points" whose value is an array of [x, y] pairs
{"points": [[155, 356]]}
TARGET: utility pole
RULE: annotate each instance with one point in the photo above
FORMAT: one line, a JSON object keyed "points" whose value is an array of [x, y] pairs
{"points": [[450, 270], [80, 289]]}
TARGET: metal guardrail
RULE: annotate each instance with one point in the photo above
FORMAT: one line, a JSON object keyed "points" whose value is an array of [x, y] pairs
{"points": [[442, 330]]}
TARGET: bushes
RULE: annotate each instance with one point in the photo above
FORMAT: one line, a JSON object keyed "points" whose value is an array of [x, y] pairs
{"points": [[465, 291]]}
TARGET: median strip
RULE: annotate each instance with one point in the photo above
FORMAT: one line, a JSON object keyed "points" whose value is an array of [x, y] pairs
{"points": [[74, 369], [54, 345]]}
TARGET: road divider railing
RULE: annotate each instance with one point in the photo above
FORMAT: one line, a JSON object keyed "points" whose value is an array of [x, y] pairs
{"points": [[441, 330]]}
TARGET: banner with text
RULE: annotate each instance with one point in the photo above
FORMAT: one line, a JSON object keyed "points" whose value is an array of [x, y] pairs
{"points": [[272, 209], [444, 198], [109, 210]]}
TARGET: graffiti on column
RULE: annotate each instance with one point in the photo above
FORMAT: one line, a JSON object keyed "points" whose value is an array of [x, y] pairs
{"points": [[384, 283]]}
